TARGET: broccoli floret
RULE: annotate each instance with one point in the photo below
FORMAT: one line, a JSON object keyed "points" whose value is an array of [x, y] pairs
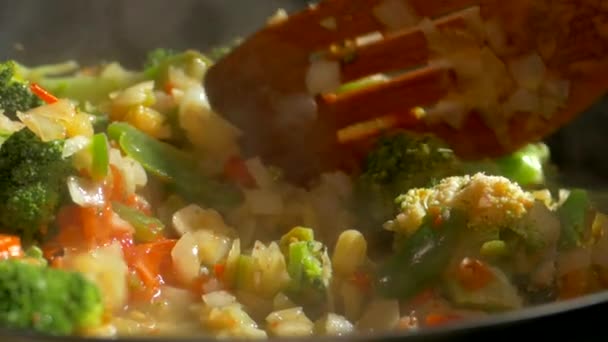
{"points": [[33, 180], [307, 261], [15, 94], [47, 300], [399, 162], [191, 62]]}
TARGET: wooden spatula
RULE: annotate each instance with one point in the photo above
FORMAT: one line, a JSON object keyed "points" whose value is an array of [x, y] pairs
{"points": [[486, 76]]}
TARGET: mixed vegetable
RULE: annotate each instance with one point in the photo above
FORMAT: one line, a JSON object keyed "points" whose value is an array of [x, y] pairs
{"points": [[129, 209]]}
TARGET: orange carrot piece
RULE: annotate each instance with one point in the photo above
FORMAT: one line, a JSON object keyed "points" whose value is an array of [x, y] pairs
{"points": [[10, 246], [43, 94], [149, 261], [437, 319]]}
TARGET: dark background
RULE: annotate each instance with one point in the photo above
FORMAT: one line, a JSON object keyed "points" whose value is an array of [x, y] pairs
{"points": [[90, 31]]}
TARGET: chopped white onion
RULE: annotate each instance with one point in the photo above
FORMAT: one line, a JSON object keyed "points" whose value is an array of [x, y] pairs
{"points": [[206, 129], [9, 125], [45, 128], [528, 71], [335, 325], [85, 193], [369, 38], [264, 202], [323, 77], [380, 315], [74, 145], [192, 218], [135, 95], [396, 14], [218, 299], [212, 247], [185, 258]]}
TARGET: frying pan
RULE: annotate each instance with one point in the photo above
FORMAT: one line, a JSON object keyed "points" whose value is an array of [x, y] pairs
{"points": [[39, 31]]}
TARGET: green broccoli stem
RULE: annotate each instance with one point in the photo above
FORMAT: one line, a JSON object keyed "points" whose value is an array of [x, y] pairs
{"points": [[174, 166], [422, 257], [147, 228]]}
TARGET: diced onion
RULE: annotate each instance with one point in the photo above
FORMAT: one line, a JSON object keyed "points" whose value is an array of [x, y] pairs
{"points": [[60, 110], [185, 259], [334, 325], [192, 218], [528, 71], [9, 125], [396, 14], [218, 299], [45, 128], [291, 322], [212, 247], [139, 94], [207, 130], [85, 193], [323, 77], [74, 145], [380, 315]]}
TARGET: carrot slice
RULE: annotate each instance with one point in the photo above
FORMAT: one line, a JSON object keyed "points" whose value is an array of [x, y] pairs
{"points": [[43, 94], [152, 264], [10, 246], [437, 319]]}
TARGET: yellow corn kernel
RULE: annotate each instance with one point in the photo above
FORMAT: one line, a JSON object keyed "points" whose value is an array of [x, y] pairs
{"points": [[350, 252], [149, 121]]}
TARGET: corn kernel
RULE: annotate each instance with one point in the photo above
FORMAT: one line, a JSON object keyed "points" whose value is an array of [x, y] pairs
{"points": [[350, 252]]}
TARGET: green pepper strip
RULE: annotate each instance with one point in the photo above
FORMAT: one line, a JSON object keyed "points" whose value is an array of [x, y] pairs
{"points": [[101, 156], [573, 217], [147, 228], [174, 166], [421, 258]]}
